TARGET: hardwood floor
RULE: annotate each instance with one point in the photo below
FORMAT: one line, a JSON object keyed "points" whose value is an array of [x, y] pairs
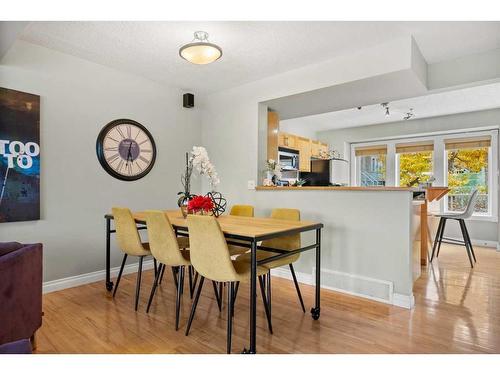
{"points": [[457, 311]]}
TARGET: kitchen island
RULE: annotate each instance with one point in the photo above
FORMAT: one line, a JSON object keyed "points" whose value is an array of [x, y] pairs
{"points": [[371, 239]]}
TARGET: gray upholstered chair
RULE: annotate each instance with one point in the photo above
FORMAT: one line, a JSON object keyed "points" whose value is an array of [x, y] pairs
{"points": [[460, 217]]}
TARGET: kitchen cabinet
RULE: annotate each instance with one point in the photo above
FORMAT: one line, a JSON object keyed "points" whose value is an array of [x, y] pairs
{"points": [[287, 140], [304, 146], [315, 148], [323, 147], [273, 122]]}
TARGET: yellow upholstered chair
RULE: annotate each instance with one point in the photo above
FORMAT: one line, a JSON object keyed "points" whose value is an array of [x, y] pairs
{"points": [[211, 259], [284, 243], [168, 250], [130, 243], [246, 211], [241, 210]]}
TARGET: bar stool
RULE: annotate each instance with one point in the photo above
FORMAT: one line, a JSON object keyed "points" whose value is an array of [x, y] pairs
{"points": [[460, 217]]}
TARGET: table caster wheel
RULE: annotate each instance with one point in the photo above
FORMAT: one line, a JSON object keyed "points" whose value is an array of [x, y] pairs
{"points": [[315, 313]]}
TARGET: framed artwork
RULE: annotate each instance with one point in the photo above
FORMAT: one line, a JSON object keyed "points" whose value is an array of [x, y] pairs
{"points": [[19, 156]]}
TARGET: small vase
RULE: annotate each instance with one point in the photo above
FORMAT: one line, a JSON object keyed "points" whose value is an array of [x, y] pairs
{"points": [[183, 203]]}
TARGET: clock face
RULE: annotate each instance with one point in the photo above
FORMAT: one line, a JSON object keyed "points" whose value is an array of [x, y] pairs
{"points": [[126, 149]]}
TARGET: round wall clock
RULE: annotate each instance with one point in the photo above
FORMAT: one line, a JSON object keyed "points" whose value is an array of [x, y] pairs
{"points": [[126, 149]]}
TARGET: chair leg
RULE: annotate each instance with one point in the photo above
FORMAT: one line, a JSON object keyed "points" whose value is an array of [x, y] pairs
{"points": [[162, 273], [466, 242], [441, 237], [268, 284], [436, 239], [218, 297], [174, 275], [180, 284], [235, 293], [120, 274], [470, 242], [221, 293], [195, 281], [153, 289], [138, 285], [230, 296], [190, 275], [266, 306], [195, 303], [155, 266], [297, 287]]}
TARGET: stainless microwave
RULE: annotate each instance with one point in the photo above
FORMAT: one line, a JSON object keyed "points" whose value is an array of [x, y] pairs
{"points": [[288, 159]]}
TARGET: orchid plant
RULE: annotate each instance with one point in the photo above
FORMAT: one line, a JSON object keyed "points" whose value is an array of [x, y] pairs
{"points": [[274, 167]]}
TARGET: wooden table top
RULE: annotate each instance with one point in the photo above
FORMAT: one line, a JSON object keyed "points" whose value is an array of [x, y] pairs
{"points": [[255, 228]]}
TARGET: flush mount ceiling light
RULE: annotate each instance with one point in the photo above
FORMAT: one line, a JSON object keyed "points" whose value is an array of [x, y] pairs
{"points": [[200, 51]]}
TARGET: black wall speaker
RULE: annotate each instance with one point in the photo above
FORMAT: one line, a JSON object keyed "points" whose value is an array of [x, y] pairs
{"points": [[188, 100]]}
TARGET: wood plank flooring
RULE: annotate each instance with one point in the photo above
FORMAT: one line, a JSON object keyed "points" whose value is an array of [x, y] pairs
{"points": [[457, 311]]}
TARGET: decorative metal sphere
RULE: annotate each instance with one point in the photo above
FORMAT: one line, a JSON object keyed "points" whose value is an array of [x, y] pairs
{"points": [[220, 203]]}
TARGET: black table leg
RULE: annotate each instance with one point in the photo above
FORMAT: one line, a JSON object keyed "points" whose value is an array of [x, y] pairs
{"points": [[315, 311], [253, 301], [109, 283]]}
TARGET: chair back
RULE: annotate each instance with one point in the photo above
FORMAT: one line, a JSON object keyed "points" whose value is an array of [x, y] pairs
{"points": [[241, 210], [289, 242], [208, 249], [163, 240], [471, 204], [127, 235]]}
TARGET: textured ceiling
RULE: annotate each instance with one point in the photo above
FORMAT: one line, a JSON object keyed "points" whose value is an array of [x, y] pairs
{"points": [[252, 50], [440, 104]]}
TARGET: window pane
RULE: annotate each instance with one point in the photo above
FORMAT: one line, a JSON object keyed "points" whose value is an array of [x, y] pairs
{"points": [[371, 170], [415, 168], [468, 170]]}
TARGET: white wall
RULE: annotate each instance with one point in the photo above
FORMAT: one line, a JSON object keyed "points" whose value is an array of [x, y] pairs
{"points": [[340, 138], [77, 99]]}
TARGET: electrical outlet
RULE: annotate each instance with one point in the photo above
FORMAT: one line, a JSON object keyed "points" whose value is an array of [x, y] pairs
{"points": [[251, 185]]}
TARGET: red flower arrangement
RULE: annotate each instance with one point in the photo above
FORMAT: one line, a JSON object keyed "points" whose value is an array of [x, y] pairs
{"points": [[200, 203]]}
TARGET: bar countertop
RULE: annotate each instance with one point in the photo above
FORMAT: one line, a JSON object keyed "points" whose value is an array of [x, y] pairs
{"points": [[352, 188], [340, 188]]}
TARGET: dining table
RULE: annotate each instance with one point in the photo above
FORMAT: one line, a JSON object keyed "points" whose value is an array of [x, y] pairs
{"points": [[242, 231]]}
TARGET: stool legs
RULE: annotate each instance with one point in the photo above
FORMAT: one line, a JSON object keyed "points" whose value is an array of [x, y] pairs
{"points": [[466, 241]]}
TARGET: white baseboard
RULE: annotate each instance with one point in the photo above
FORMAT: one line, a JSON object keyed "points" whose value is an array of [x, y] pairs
{"points": [[91, 277], [377, 290]]}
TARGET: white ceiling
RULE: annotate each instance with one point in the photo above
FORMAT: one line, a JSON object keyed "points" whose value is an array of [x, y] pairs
{"points": [[252, 50], [439, 104]]}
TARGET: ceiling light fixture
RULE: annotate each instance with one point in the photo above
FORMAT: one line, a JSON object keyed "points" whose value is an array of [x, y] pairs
{"points": [[386, 107], [408, 114], [200, 51]]}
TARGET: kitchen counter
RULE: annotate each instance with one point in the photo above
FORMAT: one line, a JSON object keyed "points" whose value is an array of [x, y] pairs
{"points": [[339, 188]]}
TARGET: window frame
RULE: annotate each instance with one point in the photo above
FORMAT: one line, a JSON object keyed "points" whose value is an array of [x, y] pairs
{"points": [[439, 164]]}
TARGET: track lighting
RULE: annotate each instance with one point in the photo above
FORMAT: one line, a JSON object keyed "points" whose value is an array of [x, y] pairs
{"points": [[386, 107]]}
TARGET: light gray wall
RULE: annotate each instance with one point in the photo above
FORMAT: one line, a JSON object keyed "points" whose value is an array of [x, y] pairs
{"points": [[339, 139], [77, 99]]}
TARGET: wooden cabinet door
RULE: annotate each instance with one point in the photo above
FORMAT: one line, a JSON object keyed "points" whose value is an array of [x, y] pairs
{"points": [[304, 146], [323, 147], [315, 148], [287, 140], [272, 135]]}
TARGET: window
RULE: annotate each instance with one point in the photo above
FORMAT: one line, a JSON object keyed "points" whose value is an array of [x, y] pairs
{"points": [[415, 163], [462, 161], [372, 165], [467, 164]]}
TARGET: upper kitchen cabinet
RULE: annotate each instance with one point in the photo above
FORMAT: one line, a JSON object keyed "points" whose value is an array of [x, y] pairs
{"points": [[304, 146], [273, 123], [287, 140]]}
